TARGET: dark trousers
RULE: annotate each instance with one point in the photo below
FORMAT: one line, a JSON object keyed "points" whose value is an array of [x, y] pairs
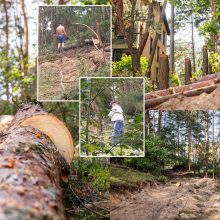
{"points": [[117, 133]]}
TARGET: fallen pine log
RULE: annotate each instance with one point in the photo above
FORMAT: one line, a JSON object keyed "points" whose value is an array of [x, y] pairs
{"points": [[207, 77], [180, 89], [71, 47], [32, 165], [150, 103]]}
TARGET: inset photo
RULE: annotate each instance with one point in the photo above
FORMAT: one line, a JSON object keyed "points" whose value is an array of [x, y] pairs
{"points": [[112, 117], [73, 42]]}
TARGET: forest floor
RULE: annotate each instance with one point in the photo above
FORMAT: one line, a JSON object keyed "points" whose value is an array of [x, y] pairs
{"points": [[69, 66], [183, 196], [101, 142]]}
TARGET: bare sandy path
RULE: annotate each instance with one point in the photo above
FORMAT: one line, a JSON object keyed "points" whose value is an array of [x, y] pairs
{"points": [[183, 197]]}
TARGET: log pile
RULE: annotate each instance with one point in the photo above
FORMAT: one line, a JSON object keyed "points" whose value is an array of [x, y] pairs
{"points": [[32, 162], [174, 98]]}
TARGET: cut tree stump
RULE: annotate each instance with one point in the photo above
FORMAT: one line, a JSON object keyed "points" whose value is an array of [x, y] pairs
{"points": [[163, 72], [188, 71], [31, 166]]}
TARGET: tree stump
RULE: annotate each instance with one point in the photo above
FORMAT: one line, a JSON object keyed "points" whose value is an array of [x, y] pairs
{"points": [[163, 72], [31, 166], [188, 71]]}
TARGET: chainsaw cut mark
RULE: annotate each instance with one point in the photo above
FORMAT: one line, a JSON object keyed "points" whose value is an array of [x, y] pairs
{"points": [[56, 130]]}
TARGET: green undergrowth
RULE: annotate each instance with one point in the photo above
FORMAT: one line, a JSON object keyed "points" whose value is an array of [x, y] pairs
{"points": [[89, 183], [125, 178]]}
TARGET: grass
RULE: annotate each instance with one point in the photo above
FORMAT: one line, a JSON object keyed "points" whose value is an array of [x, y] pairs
{"points": [[126, 178]]}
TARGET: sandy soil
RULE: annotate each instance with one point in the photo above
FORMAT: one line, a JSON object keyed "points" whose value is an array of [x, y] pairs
{"points": [[71, 64], [183, 197]]}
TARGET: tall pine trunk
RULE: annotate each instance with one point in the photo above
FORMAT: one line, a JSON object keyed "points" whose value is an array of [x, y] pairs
{"points": [[25, 26]]}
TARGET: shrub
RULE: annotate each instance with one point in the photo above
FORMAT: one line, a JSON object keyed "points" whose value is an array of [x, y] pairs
{"points": [[124, 66]]}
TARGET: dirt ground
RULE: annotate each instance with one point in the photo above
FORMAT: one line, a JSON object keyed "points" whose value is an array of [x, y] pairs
{"points": [[183, 197], [69, 66]]}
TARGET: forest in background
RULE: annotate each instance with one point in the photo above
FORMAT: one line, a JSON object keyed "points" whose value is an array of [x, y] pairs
{"points": [[73, 19], [188, 19], [96, 126], [179, 176], [19, 45], [185, 139], [86, 50]]}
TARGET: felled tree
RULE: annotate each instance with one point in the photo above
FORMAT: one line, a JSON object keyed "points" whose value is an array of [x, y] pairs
{"points": [[34, 153]]}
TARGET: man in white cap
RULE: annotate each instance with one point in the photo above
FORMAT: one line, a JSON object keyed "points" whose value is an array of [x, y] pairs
{"points": [[116, 115]]}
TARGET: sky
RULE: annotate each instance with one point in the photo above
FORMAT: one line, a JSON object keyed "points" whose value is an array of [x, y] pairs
{"points": [[199, 40]]}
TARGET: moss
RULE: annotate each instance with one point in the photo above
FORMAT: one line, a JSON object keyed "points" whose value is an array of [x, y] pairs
{"points": [[130, 179]]}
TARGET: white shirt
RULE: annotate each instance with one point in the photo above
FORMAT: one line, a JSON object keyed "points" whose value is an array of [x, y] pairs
{"points": [[116, 113]]}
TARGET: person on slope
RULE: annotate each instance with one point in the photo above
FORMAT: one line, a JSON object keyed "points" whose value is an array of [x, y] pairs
{"points": [[116, 115], [60, 33]]}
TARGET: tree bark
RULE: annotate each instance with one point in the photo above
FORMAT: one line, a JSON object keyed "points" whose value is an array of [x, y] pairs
{"points": [[213, 36], [188, 71], [213, 145], [135, 63], [189, 140], [160, 121], [120, 17], [25, 49], [153, 102], [206, 143], [163, 72], [193, 45], [6, 28], [148, 122], [30, 171], [172, 65], [205, 63]]}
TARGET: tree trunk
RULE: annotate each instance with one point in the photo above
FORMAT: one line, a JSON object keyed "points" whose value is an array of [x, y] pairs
{"points": [[189, 141], [213, 36], [205, 63], [172, 67], [136, 65], [213, 145], [178, 141], [163, 72], [193, 46], [120, 17], [88, 115], [30, 171], [25, 49], [160, 121], [188, 71], [6, 28], [206, 143], [148, 122]]}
